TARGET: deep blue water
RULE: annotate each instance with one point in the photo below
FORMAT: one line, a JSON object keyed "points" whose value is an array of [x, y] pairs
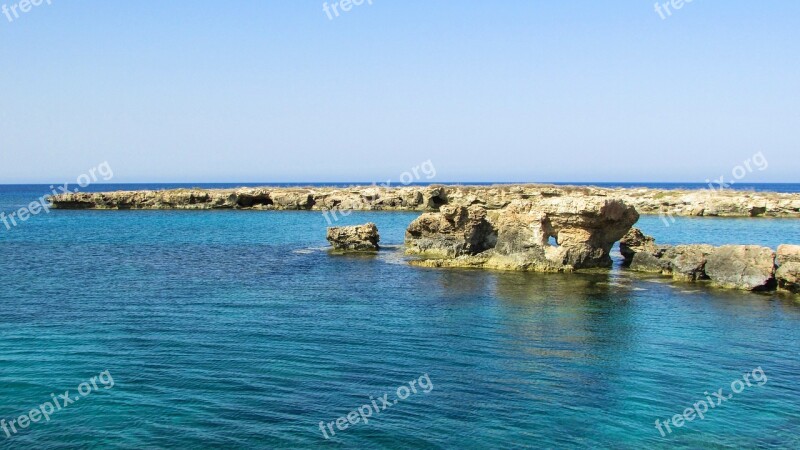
{"points": [[43, 189], [236, 329]]}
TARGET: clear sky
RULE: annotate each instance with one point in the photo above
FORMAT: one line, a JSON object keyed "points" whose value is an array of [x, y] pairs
{"points": [[516, 90]]}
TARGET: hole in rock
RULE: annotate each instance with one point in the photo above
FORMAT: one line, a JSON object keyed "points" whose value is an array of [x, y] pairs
{"points": [[248, 201], [438, 202]]}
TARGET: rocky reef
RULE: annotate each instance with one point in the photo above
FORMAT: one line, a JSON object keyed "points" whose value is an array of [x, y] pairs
{"points": [[552, 234], [430, 198], [357, 238], [788, 273], [527, 227], [744, 267]]}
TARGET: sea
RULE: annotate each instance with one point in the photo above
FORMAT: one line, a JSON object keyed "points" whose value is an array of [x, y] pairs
{"points": [[238, 329]]}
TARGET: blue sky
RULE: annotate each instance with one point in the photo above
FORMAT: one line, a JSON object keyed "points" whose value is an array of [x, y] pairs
{"points": [[260, 91]]}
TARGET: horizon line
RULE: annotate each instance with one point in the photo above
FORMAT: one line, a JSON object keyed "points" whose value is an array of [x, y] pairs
{"points": [[369, 183]]}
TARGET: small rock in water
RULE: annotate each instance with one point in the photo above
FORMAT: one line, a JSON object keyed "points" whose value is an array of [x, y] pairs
{"points": [[356, 238]]}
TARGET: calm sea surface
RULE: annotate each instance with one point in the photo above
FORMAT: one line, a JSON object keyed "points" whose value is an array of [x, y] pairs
{"points": [[236, 329]]}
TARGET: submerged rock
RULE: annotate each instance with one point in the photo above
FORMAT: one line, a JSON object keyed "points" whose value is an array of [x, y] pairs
{"points": [[549, 234], [354, 238]]}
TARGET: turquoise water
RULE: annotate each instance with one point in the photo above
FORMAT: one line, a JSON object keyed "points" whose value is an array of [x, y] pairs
{"points": [[238, 330]]}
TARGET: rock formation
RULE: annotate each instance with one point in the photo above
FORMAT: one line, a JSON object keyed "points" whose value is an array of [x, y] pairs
{"points": [[745, 267], [354, 238], [682, 262], [519, 227], [637, 243], [554, 234], [453, 231], [788, 273], [430, 198], [688, 262]]}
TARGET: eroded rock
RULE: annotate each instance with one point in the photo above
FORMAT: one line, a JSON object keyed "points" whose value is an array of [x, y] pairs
{"points": [[687, 262], [682, 262], [635, 242], [788, 273], [354, 238], [421, 198], [788, 276], [451, 232], [546, 234], [787, 253], [746, 267]]}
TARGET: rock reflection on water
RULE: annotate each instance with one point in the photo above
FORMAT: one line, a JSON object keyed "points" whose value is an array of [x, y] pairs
{"points": [[567, 315], [548, 315]]}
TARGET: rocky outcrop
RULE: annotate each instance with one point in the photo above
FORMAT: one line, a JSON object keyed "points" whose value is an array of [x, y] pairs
{"points": [[635, 242], [788, 276], [788, 273], [546, 235], [354, 238], [787, 254], [687, 262], [641, 253], [682, 262], [747, 267], [430, 198], [453, 231]]}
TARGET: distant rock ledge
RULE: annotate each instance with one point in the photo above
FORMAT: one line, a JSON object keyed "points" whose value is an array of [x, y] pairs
{"points": [[665, 202]]}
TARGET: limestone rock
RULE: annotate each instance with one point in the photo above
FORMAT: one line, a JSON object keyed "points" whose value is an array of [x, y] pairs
{"points": [[683, 262], [434, 197], [788, 275], [292, 200], [354, 238], [642, 254], [421, 198], [788, 253], [746, 267], [451, 232], [635, 242], [650, 262], [687, 262], [556, 233]]}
